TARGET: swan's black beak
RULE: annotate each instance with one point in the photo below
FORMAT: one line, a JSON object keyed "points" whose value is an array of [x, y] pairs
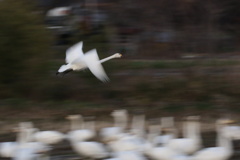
{"points": [[63, 73]]}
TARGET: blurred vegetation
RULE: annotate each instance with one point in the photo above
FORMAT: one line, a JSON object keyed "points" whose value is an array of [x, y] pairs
{"points": [[25, 48]]}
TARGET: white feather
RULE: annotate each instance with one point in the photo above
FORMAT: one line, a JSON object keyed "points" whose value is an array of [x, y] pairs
{"points": [[92, 60]]}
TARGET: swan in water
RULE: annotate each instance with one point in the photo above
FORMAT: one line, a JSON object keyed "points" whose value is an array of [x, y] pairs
{"points": [[78, 131], [222, 151], [191, 141], [76, 60]]}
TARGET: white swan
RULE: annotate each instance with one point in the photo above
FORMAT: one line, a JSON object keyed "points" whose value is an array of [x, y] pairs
{"points": [[192, 138], [27, 150], [138, 125], [134, 140], [93, 150], [22, 151], [222, 151], [120, 118], [168, 131], [127, 142], [77, 129], [76, 60], [7, 149]]}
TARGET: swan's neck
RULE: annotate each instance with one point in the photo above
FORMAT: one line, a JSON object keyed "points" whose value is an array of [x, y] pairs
{"points": [[90, 125], [106, 59], [138, 125], [167, 122], [223, 141], [192, 130], [120, 121], [77, 124], [153, 131], [21, 136]]}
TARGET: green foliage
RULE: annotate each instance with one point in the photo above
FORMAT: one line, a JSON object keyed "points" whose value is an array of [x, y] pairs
{"points": [[24, 47]]}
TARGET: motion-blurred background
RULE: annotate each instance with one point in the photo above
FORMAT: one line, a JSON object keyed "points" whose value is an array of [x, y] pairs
{"points": [[180, 57]]}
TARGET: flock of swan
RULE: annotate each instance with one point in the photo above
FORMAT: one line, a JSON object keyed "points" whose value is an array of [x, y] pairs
{"points": [[121, 141]]}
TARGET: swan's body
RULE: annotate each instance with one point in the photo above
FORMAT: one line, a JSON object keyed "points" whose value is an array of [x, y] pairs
{"points": [[162, 153], [93, 150], [127, 142], [7, 149], [48, 137], [76, 60]]}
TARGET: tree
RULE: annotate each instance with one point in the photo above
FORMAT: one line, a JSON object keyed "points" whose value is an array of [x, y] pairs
{"points": [[24, 48]]}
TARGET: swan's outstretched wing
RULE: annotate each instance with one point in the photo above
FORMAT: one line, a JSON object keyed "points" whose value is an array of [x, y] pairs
{"points": [[92, 61], [74, 53]]}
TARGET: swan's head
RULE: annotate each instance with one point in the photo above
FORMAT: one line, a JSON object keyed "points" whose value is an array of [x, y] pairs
{"points": [[117, 55], [73, 117], [119, 113], [225, 121], [192, 118], [64, 69]]}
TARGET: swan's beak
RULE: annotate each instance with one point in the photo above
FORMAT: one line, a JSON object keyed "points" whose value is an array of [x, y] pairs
{"points": [[120, 55]]}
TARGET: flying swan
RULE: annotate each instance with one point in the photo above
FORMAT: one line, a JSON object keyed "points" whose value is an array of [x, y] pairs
{"points": [[76, 60]]}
